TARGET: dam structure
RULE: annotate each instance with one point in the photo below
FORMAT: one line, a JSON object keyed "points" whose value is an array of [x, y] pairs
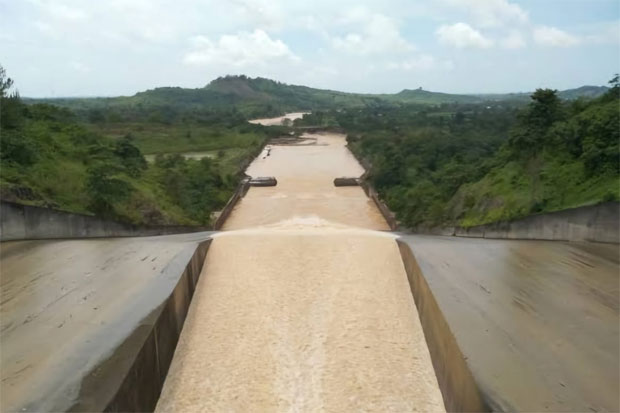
{"points": [[303, 305], [305, 299]]}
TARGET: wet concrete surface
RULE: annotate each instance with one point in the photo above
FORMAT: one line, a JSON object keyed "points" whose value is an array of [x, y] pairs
{"points": [[537, 320], [67, 305]]}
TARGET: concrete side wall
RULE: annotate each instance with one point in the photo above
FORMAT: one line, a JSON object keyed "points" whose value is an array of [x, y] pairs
{"points": [[145, 378], [240, 192], [19, 222], [596, 223], [389, 216], [458, 388]]}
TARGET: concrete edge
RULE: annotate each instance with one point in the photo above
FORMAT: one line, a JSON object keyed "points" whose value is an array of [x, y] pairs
{"points": [[387, 214], [242, 188], [590, 223], [239, 193], [26, 222], [371, 193], [456, 382], [143, 382]]}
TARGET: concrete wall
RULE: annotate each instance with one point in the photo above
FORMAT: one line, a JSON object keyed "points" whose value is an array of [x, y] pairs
{"points": [[389, 216], [596, 223], [142, 384], [240, 192], [458, 388], [18, 222]]}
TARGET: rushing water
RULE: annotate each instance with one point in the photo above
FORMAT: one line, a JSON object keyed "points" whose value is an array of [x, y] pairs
{"points": [[305, 175], [302, 305]]}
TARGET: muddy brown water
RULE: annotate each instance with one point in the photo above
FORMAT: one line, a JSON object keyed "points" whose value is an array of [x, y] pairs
{"points": [[305, 187], [302, 305]]}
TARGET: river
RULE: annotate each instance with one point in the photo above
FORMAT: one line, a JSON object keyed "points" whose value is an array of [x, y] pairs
{"points": [[303, 305]]}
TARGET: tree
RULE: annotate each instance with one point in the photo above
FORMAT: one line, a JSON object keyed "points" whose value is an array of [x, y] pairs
{"points": [[544, 110], [534, 122], [5, 82], [130, 155], [614, 91], [106, 188], [11, 107]]}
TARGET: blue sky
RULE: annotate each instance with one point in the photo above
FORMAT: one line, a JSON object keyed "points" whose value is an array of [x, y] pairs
{"points": [[120, 47]]}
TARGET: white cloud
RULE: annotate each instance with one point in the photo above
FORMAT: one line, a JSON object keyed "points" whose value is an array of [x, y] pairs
{"points": [[552, 36], [417, 63], [488, 13], [238, 50], [462, 35], [514, 40], [65, 12], [79, 66], [41, 39], [263, 13], [379, 35]]}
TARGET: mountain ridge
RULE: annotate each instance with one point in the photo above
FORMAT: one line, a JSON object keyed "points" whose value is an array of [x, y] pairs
{"points": [[265, 97]]}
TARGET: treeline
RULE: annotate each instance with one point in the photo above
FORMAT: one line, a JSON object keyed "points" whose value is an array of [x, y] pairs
{"points": [[473, 164], [55, 157]]}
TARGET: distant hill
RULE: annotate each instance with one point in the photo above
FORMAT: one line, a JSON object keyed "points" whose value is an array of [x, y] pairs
{"points": [[265, 97], [421, 96], [590, 92], [587, 92]]}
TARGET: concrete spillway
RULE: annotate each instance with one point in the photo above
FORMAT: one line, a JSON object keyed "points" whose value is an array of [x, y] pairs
{"points": [[537, 320], [295, 319], [300, 307], [74, 313]]}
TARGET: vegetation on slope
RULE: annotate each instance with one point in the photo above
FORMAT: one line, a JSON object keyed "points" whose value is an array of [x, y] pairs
{"points": [[475, 164], [558, 156], [53, 157], [437, 158]]}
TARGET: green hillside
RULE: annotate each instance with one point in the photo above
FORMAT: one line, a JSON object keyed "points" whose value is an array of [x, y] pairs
{"points": [[420, 96], [436, 158], [52, 157], [259, 97], [462, 165], [584, 92]]}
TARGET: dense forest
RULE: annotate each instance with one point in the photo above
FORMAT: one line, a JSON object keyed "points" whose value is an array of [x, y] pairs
{"points": [[470, 164], [92, 162]]}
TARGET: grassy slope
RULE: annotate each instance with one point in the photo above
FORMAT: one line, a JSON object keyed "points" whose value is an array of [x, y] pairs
{"points": [[551, 180], [58, 176], [513, 191]]}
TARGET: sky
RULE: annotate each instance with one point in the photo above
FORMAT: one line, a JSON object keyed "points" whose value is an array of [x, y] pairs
{"points": [[55, 48]]}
